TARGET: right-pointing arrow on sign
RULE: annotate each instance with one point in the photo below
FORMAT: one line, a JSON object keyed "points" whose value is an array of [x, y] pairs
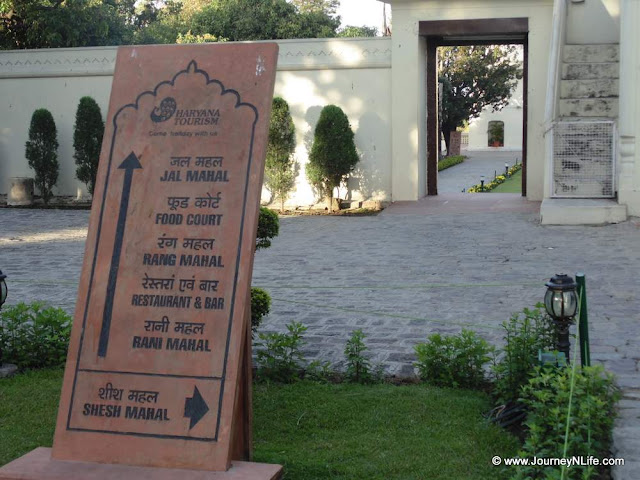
{"points": [[195, 408]]}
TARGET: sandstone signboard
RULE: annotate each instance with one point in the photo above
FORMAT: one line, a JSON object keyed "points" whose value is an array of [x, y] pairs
{"points": [[153, 377]]}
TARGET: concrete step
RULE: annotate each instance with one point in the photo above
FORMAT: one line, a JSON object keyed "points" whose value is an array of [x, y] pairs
{"points": [[588, 107], [600, 88], [581, 211], [590, 71], [591, 53]]}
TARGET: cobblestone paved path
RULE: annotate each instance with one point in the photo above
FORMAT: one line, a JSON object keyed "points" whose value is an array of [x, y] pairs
{"points": [[399, 277]]}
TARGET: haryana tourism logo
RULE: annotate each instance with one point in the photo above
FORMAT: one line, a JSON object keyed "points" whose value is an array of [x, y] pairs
{"points": [[198, 116], [165, 111]]}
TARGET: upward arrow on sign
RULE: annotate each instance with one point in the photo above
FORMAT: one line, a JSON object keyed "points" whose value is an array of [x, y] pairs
{"points": [[129, 164]]}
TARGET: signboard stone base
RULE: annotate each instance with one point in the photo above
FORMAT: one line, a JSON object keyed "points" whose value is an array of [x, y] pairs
{"points": [[38, 465]]}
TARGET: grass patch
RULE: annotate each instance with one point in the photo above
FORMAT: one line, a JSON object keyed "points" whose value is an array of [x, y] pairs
{"points": [[376, 432], [28, 410], [450, 161], [511, 185], [317, 431]]}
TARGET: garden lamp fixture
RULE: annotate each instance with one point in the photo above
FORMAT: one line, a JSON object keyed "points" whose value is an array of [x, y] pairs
{"points": [[561, 303], [506, 169], [482, 183], [3, 289]]}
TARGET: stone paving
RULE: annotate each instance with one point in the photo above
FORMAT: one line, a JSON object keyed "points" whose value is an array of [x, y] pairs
{"points": [[399, 276], [466, 174]]}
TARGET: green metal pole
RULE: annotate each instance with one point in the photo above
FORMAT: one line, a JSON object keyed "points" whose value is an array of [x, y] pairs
{"points": [[583, 322]]}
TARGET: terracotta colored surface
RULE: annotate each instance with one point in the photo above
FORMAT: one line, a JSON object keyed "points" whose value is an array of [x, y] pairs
{"points": [[156, 351], [38, 465], [452, 203]]}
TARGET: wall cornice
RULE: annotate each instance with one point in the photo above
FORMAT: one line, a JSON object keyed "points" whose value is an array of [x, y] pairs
{"points": [[308, 54]]}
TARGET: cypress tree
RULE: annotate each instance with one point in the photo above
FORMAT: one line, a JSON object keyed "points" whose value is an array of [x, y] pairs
{"points": [[87, 141], [42, 152], [333, 154], [280, 167]]}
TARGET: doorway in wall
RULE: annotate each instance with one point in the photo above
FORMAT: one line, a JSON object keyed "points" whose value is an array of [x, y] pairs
{"points": [[488, 148]]}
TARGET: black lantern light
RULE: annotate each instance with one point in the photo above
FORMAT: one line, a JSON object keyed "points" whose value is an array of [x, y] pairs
{"points": [[3, 289], [506, 169], [482, 183], [561, 303]]}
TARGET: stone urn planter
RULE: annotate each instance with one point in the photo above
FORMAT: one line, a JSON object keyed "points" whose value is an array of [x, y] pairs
{"points": [[20, 191]]}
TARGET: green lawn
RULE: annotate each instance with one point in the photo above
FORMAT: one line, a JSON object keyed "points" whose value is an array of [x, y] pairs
{"points": [[318, 431], [511, 185]]}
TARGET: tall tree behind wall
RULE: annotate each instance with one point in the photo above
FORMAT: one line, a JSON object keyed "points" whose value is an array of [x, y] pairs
{"points": [[63, 23], [238, 20], [328, 7], [473, 78], [83, 23]]}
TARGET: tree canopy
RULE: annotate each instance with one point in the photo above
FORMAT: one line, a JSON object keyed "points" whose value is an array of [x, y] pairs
{"points": [[328, 7], [80, 23], [473, 78], [237, 20], [353, 31], [64, 23]]}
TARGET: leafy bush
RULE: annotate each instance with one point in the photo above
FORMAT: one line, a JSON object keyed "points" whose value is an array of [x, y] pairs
{"points": [[42, 151], [87, 141], [280, 167], [333, 153], [358, 366], [591, 412], [260, 306], [453, 360], [450, 162], [34, 336], [280, 358], [525, 335], [268, 228]]}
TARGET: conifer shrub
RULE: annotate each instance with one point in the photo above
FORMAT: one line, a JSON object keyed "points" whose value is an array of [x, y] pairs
{"points": [[260, 306], [87, 141], [42, 152], [280, 166], [268, 227], [333, 153]]}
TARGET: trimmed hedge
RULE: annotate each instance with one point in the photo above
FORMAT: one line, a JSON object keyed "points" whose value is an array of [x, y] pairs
{"points": [[450, 162]]}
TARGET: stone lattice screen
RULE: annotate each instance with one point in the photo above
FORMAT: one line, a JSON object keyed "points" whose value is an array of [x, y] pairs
{"points": [[583, 160]]}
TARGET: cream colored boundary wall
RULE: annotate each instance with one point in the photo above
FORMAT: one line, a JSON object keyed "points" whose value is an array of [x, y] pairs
{"points": [[511, 115], [354, 74], [408, 92]]}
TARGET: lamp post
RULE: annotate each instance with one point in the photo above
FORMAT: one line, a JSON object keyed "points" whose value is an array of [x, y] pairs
{"points": [[561, 303], [482, 183], [3, 298], [506, 169]]}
